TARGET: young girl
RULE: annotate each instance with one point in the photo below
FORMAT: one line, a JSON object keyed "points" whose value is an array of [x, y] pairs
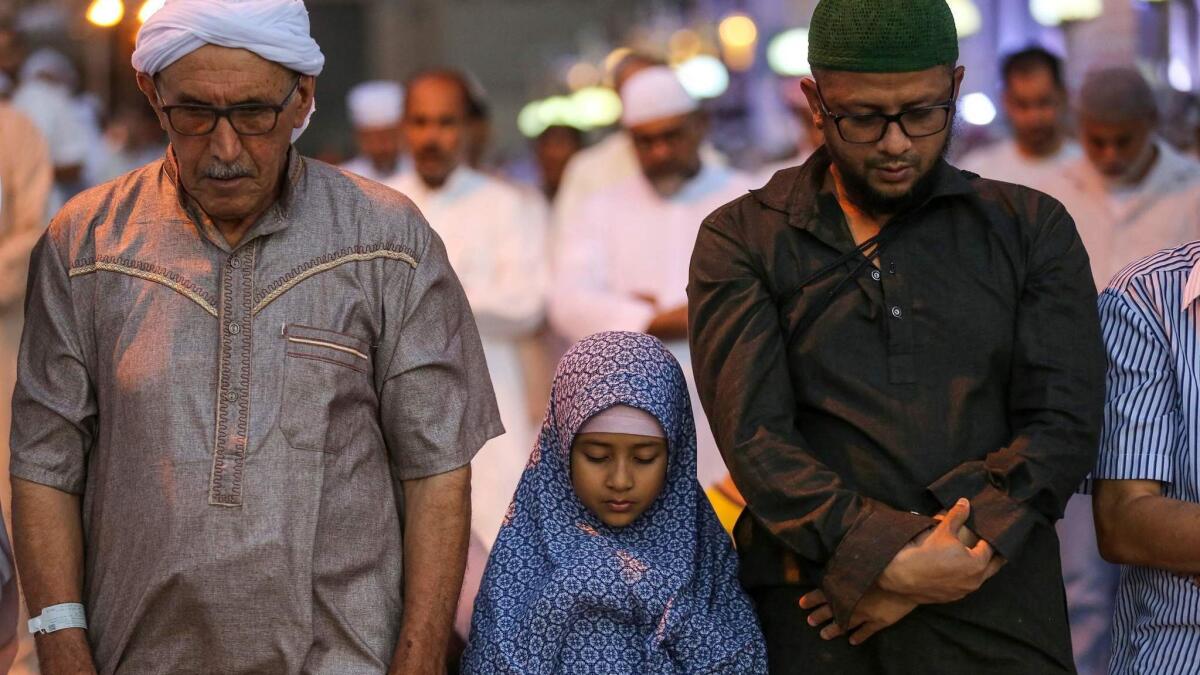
{"points": [[610, 559]]}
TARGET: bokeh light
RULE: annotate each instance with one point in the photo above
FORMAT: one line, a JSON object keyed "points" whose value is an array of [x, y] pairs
{"points": [[703, 76], [787, 53], [105, 13]]}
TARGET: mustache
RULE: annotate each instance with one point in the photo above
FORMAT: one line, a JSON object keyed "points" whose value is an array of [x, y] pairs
{"points": [[430, 152], [228, 171]]}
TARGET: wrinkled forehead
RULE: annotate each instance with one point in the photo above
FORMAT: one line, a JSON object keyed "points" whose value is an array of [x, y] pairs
{"points": [[224, 75]]}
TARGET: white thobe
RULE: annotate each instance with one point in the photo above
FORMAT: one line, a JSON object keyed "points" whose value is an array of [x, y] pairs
{"points": [[1004, 161], [364, 167], [1121, 225], [495, 240], [629, 241], [56, 115]]}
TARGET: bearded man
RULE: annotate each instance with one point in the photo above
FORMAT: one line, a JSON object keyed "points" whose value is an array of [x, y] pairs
{"points": [[249, 389], [903, 369]]}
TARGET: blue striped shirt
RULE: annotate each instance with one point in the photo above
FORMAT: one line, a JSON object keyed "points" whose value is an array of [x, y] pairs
{"points": [[1151, 323]]}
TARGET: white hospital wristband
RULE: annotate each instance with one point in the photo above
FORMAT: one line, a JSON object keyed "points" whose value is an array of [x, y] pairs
{"points": [[58, 617]]}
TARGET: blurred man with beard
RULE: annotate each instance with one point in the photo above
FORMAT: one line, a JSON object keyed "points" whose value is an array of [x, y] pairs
{"points": [[1035, 101], [902, 365], [622, 264], [495, 239], [1132, 194], [376, 108]]}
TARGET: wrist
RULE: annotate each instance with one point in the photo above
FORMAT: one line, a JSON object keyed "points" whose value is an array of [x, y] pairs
{"points": [[65, 652]]}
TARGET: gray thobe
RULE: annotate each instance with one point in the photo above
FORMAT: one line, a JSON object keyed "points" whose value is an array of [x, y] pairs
{"points": [[238, 420]]}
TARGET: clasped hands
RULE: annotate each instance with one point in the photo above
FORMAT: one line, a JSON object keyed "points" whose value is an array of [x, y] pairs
{"points": [[944, 564]]}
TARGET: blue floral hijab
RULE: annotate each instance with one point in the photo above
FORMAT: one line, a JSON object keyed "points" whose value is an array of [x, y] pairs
{"points": [[564, 593]]}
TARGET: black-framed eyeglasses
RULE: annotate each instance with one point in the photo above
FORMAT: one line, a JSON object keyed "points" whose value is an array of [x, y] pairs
{"points": [[872, 127], [247, 119]]}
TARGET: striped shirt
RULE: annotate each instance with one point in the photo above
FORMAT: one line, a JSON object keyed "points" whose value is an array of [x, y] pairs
{"points": [[1151, 323]]}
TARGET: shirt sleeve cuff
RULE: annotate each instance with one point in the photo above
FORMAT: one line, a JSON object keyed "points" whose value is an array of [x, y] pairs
{"points": [[996, 518], [42, 476], [864, 552]]}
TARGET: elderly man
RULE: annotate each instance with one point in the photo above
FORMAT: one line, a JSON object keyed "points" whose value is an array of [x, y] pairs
{"points": [[1035, 102], [622, 264], [375, 109], [495, 240], [903, 367], [249, 389], [1132, 194], [1147, 488]]}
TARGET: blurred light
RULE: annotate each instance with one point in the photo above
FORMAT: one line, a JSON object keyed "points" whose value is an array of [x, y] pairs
{"points": [[149, 7], [787, 53], [978, 109], [737, 31], [1178, 75], [614, 59], [1054, 12], [967, 19], [683, 45], [703, 76], [529, 120], [105, 13], [595, 107], [583, 74]]}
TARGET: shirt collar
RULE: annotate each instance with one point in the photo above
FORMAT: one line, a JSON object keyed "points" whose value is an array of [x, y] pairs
{"points": [[1191, 289], [796, 191], [276, 217]]}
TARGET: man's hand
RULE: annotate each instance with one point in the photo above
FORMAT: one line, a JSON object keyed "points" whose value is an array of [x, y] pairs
{"points": [[937, 567], [671, 324], [877, 610]]}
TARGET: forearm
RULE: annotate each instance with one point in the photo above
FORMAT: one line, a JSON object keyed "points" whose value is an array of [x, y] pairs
{"points": [[1148, 531], [48, 542], [437, 521]]}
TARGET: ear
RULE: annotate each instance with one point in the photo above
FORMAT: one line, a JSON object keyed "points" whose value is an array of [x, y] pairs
{"points": [[809, 86], [145, 83], [959, 72], [306, 93]]}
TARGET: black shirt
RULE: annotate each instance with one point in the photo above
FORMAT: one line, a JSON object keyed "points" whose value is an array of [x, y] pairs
{"points": [[967, 364]]}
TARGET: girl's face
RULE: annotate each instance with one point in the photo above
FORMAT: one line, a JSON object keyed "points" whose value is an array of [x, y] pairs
{"points": [[618, 476]]}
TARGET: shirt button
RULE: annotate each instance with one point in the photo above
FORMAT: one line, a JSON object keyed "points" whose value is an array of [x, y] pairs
{"points": [[231, 395], [235, 263], [235, 328], [876, 275], [896, 312]]}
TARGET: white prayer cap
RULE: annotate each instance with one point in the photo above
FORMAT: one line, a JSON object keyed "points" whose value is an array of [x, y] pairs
{"points": [[276, 30], [654, 93], [51, 64], [378, 103]]}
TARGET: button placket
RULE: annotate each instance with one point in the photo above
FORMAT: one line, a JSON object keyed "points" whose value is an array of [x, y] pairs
{"points": [[233, 381], [901, 348]]}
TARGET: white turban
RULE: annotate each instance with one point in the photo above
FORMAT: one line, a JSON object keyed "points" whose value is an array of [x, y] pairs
{"points": [[378, 103], [654, 93], [276, 30]]}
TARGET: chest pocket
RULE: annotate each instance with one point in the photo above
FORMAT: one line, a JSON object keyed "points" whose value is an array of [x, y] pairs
{"points": [[327, 390]]}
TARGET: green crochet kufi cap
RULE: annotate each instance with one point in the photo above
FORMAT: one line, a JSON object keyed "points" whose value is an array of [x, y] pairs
{"points": [[882, 36]]}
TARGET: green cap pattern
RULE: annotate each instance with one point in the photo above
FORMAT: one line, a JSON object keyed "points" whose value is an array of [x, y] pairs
{"points": [[882, 36]]}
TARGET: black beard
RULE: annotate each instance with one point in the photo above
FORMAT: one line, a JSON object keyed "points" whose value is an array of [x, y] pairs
{"points": [[876, 203]]}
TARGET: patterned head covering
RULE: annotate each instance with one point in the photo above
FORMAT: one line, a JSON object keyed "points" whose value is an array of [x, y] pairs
{"points": [[563, 593]]}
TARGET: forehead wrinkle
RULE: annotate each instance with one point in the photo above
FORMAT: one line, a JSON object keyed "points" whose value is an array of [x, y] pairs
{"points": [[221, 76]]}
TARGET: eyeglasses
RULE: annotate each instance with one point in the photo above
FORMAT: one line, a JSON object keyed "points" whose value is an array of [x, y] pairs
{"points": [[247, 119], [871, 128]]}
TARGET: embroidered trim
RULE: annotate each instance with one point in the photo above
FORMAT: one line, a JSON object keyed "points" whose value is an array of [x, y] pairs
{"points": [[329, 345], [147, 272], [229, 455], [327, 262]]}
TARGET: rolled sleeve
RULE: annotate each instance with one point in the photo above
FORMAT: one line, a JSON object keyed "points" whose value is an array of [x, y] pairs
{"points": [[437, 407], [54, 403]]}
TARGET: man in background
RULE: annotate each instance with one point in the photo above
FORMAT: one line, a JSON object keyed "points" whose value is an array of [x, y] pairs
{"points": [[375, 109]]}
